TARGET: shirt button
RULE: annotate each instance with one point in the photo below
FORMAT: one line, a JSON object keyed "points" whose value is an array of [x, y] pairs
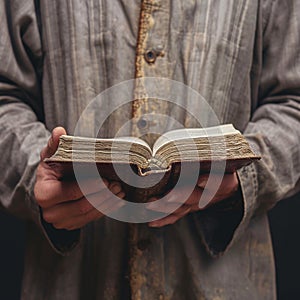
{"points": [[143, 244], [142, 123], [150, 56]]}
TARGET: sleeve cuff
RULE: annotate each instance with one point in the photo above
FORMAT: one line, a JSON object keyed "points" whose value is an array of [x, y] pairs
{"points": [[61, 241], [223, 223]]}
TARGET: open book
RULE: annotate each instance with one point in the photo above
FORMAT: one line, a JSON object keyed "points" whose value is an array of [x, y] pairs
{"points": [[202, 145]]}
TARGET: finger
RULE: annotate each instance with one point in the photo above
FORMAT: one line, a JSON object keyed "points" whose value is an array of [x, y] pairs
{"points": [[227, 181], [195, 207], [79, 207], [162, 205], [218, 187], [175, 199], [171, 219], [67, 210], [79, 221], [194, 198], [51, 192], [181, 211], [106, 201], [115, 187], [202, 180], [93, 215], [53, 142], [109, 198]]}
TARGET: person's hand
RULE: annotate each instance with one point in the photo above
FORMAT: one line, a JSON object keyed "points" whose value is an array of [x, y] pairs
{"points": [[229, 185], [62, 202]]}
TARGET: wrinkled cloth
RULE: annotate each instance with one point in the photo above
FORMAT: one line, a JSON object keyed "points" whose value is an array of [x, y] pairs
{"points": [[242, 56]]}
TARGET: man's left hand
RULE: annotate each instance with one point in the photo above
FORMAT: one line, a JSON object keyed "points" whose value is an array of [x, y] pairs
{"points": [[229, 185]]}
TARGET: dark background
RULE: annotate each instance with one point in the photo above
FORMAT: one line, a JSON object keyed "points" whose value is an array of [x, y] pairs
{"points": [[285, 227]]}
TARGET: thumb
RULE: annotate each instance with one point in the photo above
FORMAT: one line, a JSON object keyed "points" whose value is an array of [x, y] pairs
{"points": [[53, 142]]}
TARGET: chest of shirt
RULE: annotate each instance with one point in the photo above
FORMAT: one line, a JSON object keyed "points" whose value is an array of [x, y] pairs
{"points": [[90, 46]]}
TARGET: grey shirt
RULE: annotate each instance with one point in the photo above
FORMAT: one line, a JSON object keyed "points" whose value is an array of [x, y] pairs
{"points": [[242, 56]]}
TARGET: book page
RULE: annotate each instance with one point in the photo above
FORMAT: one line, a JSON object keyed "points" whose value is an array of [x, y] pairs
{"points": [[186, 133], [135, 140], [86, 140]]}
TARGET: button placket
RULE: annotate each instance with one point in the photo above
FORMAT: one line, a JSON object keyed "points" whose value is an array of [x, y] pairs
{"points": [[140, 238], [140, 104]]}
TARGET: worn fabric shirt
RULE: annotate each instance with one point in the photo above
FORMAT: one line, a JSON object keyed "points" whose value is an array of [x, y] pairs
{"points": [[242, 56]]}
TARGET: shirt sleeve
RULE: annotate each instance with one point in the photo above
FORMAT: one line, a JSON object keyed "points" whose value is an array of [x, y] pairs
{"points": [[22, 134], [273, 130]]}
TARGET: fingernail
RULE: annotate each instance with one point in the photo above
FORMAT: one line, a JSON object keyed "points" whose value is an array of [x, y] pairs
{"points": [[114, 183], [121, 195], [116, 188], [202, 182]]}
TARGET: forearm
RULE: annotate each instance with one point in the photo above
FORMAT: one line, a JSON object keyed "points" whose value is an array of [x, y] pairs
{"points": [[274, 133], [22, 137], [273, 130]]}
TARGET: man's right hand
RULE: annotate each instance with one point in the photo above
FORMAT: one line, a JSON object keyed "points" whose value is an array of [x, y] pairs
{"points": [[63, 203]]}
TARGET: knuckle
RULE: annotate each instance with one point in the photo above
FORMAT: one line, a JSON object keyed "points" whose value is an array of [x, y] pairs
{"points": [[40, 197], [48, 217], [42, 194]]}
